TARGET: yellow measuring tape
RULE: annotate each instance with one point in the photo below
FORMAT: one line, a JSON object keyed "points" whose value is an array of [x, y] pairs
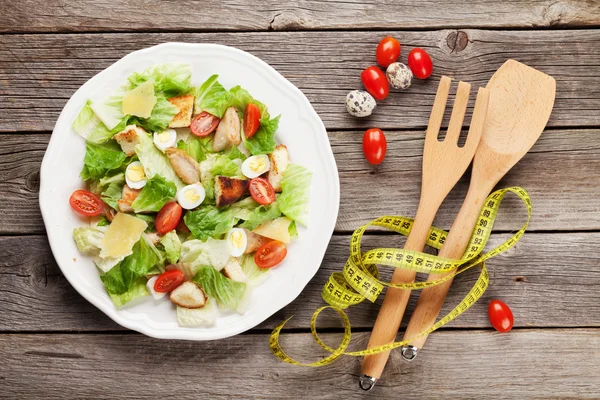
{"points": [[359, 279]]}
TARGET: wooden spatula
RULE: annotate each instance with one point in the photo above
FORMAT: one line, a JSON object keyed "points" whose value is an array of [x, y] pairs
{"points": [[521, 100], [443, 165]]}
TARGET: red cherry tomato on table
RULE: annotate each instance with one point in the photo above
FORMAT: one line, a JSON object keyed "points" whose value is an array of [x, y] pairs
{"points": [[500, 316], [168, 281], [420, 63], [261, 191], [168, 217], [388, 51], [203, 124], [251, 120], [86, 203], [374, 146], [270, 254], [376, 83]]}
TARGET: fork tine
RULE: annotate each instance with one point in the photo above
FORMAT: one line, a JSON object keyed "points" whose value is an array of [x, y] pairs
{"points": [[437, 111], [458, 112], [478, 120]]}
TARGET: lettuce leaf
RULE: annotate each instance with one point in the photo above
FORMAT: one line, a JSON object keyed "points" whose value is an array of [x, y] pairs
{"points": [[255, 274], [240, 97], [169, 78], [137, 290], [224, 166], [88, 126], [172, 246], [125, 275], [155, 162], [162, 113], [295, 193], [263, 141], [261, 214], [197, 253], [208, 221], [113, 189], [100, 159], [228, 293], [88, 240], [244, 208], [150, 220], [157, 192], [195, 317], [194, 148], [211, 97]]}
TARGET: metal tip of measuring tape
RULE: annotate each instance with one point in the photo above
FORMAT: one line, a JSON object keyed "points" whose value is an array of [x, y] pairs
{"points": [[366, 382], [409, 353]]}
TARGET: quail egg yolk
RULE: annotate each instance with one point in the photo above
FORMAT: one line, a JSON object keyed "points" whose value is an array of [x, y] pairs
{"points": [[164, 137], [237, 239], [191, 195], [135, 173], [258, 164]]}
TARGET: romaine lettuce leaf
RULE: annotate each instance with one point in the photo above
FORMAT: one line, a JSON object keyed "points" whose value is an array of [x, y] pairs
{"points": [[110, 111], [162, 113], [244, 208], [150, 220], [211, 252], [112, 189], [88, 126], [235, 153], [169, 78], [240, 97], [227, 292], [88, 240], [224, 166], [172, 246], [207, 178], [137, 290], [208, 221], [157, 192], [211, 97], [155, 162], [260, 215], [295, 193], [100, 159], [255, 274], [194, 148], [263, 141], [195, 317]]}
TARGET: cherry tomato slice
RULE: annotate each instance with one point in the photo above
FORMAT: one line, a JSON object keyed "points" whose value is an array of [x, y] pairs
{"points": [[270, 254], [168, 281], [168, 217], [374, 146], [376, 83], [261, 191], [388, 51], [86, 203], [251, 120], [203, 124], [500, 316], [420, 63]]}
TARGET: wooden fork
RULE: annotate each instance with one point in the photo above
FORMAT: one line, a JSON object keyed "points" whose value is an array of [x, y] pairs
{"points": [[443, 165]]}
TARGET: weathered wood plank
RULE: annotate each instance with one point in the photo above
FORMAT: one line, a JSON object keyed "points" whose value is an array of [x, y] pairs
{"points": [[124, 15], [532, 364], [34, 295], [40, 72], [562, 174]]}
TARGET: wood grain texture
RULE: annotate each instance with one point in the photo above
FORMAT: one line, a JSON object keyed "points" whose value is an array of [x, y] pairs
{"points": [[35, 296], [531, 364], [39, 73], [561, 173], [127, 15]]}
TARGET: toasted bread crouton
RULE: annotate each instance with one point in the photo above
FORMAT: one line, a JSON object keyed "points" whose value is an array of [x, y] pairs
{"points": [[128, 138], [188, 295], [127, 198], [279, 159], [233, 270], [254, 241], [229, 190], [185, 166], [186, 107]]}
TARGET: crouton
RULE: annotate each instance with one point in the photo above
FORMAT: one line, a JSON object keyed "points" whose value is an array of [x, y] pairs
{"points": [[185, 166], [228, 132], [254, 241], [128, 138], [233, 270], [127, 198], [229, 190], [186, 106], [279, 159], [188, 295]]}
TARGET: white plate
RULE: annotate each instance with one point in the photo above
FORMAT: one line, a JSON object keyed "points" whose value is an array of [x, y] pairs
{"points": [[300, 129]]}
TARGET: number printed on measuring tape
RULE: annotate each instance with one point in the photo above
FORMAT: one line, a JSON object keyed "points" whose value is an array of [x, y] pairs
{"points": [[359, 279]]}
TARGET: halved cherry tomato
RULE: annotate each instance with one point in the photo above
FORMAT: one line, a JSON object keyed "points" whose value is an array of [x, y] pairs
{"points": [[500, 316], [420, 63], [251, 119], [374, 145], [86, 203], [168, 217], [270, 254], [388, 51], [376, 83], [204, 123], [168, 281], [261, 191]]}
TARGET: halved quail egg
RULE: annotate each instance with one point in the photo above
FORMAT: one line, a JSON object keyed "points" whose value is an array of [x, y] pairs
{"points": [[255, 166], [191, 196], [165, 139], [135, 176], [237, 240]]}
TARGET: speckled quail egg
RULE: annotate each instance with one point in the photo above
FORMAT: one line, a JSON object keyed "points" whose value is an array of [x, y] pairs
{"points": [[255, 166], [191, 196], [135, 176], [360, 103], [399, 76], [165, 139], [237, 240]]}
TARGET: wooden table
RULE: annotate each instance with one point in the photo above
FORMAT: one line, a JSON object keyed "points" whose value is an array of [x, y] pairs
{"points": [[55, 344]]}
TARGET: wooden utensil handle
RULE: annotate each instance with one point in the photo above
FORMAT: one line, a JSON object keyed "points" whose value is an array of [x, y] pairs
{"points": [[395, 300], [431, 299]]}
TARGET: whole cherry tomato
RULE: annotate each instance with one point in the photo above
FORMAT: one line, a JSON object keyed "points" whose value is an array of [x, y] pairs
{"points": [[500, 316], [374, 145], [376, 83], [420, 63], [388, 51]]}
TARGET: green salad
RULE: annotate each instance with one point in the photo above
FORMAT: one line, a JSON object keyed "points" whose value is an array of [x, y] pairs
{"points": [[188, 195]]}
